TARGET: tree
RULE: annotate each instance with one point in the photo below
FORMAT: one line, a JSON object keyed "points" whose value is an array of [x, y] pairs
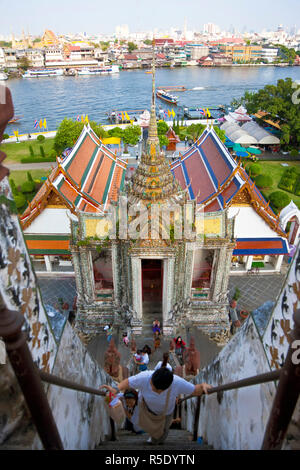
{"points": [[162, 127], [148, 42], [163, 140], [278, 102], [131, 46], [69, 131], [24, 63], [131, 136], [195, 130], [220, 133]]}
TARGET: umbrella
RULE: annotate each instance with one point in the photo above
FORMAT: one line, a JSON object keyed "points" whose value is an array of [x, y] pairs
{"points": [[238, 148], [253, 150], [228, 143], [241, 154]]}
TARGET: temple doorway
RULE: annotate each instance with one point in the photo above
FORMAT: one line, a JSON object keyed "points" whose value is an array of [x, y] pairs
{"points": [[152, 290]]}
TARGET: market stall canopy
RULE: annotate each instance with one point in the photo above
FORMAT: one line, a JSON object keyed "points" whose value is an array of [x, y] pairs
{"points": [[260, 134], [236, 134]]}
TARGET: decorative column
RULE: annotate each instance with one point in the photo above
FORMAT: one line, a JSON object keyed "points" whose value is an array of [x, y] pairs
{"points": [[78, 274], [48, 263], [189, 266], [278, 263], [249, 262], [136, 286], [219, 264], [168, 293], [116, 271], [87, 274]]}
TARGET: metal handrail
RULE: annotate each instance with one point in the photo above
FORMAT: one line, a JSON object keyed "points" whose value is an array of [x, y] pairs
{"points": [[255, 380], [55, 380]]}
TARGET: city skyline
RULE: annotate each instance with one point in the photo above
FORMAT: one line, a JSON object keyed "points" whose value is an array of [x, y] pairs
{"points": [[94, 18]]}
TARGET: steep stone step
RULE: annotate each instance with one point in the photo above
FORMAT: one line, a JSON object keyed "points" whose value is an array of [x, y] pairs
{"points": [[177, 440]]}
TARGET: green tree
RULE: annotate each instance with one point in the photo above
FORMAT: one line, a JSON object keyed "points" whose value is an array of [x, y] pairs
{"points": [[220, 133], [116, 132], [68, 132], [162, 127], [277, 102], [131, 46], [195, 130], [148, 42], [41, 138], [131, 136], [24, 63], [163, 140]]}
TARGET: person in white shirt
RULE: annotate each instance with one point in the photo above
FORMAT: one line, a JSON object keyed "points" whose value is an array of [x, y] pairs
{"points": [[164, 362], [154, 386]]}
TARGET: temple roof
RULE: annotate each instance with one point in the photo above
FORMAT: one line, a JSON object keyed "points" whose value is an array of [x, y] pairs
{"points": [[86, 180], [216, 180]]}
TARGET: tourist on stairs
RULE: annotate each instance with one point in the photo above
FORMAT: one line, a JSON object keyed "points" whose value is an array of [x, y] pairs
{"points": [[164, 362], [157, 399]]}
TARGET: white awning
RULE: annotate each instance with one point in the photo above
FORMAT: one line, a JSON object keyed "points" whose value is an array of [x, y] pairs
{"points": [[260, 134]]}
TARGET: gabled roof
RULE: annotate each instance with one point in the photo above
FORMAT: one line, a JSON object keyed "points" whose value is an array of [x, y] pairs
{"points": [[215, 179], [87, 180]]}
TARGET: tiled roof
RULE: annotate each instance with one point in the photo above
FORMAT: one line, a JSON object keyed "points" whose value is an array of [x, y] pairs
{"points": [[213, 178], [87, 180]]}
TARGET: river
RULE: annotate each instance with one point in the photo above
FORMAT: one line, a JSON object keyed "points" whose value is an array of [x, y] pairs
{"points": [[54, 98]]}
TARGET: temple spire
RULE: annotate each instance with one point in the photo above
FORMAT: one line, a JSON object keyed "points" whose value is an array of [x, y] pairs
{"points": [[152, 132]]}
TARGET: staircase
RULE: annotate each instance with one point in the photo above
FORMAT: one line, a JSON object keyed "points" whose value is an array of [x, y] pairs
{"points": [[177, 440]]}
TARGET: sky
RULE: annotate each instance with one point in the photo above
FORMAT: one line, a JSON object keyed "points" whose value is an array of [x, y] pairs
{"points": [[102, 16]]}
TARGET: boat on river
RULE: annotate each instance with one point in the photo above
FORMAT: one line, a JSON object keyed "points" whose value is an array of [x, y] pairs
{"points": [[39, 73], [165, 96], [99, 70]]}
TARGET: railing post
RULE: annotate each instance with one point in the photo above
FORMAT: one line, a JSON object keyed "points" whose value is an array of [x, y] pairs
{"points": [[286, 395], [28, 377], [196, 421]]}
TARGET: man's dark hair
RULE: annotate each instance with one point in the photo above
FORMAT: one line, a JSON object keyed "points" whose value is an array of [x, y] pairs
{"points": [[162, 378]]}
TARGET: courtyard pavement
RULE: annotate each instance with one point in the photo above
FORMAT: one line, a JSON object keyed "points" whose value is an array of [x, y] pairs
{"points": [[255, 290]]}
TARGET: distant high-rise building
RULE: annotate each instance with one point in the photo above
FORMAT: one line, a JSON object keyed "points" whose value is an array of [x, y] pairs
{"points": [[211, 28]]}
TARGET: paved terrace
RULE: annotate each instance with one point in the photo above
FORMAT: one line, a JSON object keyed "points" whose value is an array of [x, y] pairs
{"points": [[255, 290]]}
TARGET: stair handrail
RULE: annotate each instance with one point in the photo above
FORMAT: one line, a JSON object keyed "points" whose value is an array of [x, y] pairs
{"points": [[55, 380], [254, 380]]}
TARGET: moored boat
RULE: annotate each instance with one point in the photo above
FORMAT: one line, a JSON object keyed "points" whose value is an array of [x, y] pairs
{"points": [[42, 73], [163, 95], [99, 70]]}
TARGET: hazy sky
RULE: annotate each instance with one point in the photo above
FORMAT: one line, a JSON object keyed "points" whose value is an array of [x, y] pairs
{"points": [[102, 16]]}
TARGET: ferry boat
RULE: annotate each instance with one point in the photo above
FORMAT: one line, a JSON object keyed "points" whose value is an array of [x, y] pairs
{"points": [[99, 70], [3, 76], [163, 95], [43, 73]]}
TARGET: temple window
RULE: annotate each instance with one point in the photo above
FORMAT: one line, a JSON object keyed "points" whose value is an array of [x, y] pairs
{"points": [[202, 273], [103, 274]]}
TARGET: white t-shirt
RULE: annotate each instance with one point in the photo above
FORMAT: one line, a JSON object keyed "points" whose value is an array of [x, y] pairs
{"points": [[158, 366], [145, 358], [156, 401]]}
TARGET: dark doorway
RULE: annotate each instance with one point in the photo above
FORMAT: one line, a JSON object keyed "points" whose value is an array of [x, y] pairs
{"points": [[152, 279], [152, 286]]}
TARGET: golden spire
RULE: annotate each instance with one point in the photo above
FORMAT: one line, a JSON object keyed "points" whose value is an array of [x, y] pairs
{"points": [[153, 140], [153, 180]]}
